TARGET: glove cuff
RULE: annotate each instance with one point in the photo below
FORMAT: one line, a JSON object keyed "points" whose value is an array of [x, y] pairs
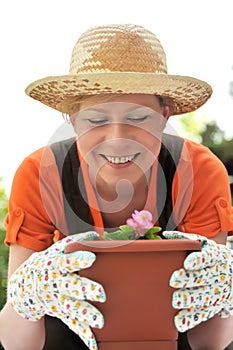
{"points": [[23, 298], [224, 313]]}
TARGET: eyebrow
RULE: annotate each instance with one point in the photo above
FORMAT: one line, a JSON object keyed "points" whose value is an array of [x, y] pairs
{"points": [[95, 110], [104, 111]]}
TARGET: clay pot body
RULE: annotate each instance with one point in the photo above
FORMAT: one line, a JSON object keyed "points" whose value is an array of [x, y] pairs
{"points": [[135, 274]]}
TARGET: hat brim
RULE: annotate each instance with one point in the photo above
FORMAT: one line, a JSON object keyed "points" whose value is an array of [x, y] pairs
{"points": [[185, 94]]}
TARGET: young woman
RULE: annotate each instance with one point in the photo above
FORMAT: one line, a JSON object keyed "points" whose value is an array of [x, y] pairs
{"points": [[119, 98]]}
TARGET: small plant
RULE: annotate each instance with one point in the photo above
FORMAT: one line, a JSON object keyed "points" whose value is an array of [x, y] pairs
{"points": [[139, 226]]}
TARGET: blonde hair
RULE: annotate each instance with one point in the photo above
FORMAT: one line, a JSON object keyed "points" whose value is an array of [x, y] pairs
{"points": [[73, 103]]}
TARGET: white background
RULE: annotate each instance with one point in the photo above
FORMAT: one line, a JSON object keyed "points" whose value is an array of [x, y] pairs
{"points": [[37, 38]]}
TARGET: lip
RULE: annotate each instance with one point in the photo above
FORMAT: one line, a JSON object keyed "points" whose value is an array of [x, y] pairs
{"points": [[120, 165], [117, 165]]}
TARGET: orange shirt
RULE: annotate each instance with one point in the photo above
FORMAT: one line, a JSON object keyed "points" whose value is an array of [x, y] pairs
{"points": [[200, 191]]}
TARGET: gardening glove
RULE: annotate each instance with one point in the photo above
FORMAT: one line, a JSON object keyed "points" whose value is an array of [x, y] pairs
{"points": [[46, 283], [205, 283]]}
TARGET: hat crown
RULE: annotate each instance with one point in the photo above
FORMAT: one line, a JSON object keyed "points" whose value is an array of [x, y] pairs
{"points": [[118, 48]]}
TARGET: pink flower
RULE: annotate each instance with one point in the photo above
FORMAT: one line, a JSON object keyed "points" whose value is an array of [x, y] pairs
{"points": [[141, 221]]}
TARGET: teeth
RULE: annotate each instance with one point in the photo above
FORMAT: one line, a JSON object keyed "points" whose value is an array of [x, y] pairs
{"points": [[119, 160]]}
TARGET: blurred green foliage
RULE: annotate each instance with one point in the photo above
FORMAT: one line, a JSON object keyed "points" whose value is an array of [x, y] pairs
{"points": [[3, 248], [191, 125]]}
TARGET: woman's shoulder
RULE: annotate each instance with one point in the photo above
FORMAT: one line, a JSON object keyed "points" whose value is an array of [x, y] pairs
{"points": [[40, 157], [198, 151], [202, 158]]}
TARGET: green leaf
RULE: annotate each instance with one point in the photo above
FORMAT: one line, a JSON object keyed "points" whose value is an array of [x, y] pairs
{"points": [[152, 236], [126, 228], [154, 229], [119, 235]]}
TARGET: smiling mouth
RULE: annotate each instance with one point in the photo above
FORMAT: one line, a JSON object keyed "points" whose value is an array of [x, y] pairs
{"points": [[120, 160]]}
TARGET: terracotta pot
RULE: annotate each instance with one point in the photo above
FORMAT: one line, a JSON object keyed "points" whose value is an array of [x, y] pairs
{"points": [[135, 274]]}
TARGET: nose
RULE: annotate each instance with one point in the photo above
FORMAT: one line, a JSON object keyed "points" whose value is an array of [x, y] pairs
{"points": [[117, 131], [119, 136]]}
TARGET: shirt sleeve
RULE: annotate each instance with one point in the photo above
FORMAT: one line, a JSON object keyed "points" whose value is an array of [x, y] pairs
{"points": [[35, 212], [202, 193]]}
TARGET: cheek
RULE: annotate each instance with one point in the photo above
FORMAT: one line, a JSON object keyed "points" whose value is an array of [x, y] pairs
{"points": [[150, 147], [150, 138], [85, 145], [153, 129], [88, 142]]}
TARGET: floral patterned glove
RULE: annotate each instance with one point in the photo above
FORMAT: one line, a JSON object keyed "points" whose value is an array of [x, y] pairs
{"points": [[205, 283], [46, 283]]}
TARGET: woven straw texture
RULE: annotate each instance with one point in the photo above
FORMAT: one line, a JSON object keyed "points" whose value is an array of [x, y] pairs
{"points": [[119, 59]]}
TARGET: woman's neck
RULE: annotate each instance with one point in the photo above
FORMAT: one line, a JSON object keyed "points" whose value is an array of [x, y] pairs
{"points": [[118, 205]]}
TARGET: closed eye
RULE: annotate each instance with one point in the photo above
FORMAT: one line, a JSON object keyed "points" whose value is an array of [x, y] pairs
{"points": [[138, 119], [97, 121]]}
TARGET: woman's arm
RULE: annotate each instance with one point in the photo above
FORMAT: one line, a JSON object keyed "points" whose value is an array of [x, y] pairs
{"points": [[204, 292], [214, 334], [17, 333], [45, 283]]}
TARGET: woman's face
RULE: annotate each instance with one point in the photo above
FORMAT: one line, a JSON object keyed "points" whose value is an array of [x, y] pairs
{"points": [[120, 139]]}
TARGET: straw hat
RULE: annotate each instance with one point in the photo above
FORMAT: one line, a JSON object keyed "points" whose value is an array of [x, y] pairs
{"points": [[119, 59]]}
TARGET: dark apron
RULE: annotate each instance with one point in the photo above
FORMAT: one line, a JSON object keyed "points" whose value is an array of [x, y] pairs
{"points": [[60, 337]]}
